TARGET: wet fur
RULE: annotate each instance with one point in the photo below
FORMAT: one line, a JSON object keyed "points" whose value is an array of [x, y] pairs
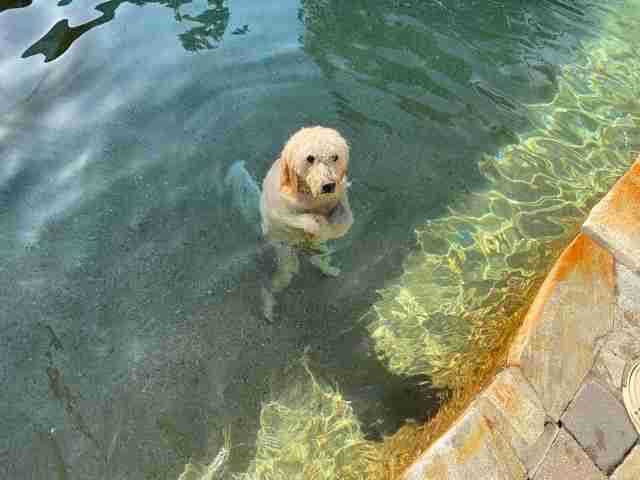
{"points": [[295, 213], [291, 211]]}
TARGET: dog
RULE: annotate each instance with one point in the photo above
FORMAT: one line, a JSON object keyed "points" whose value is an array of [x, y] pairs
{"points": [[304, 204]]}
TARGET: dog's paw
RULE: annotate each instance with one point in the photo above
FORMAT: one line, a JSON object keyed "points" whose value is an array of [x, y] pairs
{"points": [[313, 224], [331, 271], [321, 262]]}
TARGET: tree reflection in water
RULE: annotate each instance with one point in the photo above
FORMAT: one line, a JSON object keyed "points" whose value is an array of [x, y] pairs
{"points": [[11, 4], [210, 27]]}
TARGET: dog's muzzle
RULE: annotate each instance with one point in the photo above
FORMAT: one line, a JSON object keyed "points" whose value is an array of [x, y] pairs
{"points": [[329, 187]]}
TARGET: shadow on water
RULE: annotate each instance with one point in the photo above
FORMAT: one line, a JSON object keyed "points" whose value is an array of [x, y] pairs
{"points": [[145, 285]]}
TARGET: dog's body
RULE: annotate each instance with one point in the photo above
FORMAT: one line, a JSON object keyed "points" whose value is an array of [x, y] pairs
{"points": [[298, 220], [304, 202]]}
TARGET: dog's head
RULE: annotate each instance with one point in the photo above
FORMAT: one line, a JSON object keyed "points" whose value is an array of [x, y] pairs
{"points": [[315, 161]]}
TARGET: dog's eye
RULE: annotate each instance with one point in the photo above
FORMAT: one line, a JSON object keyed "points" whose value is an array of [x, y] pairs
{"points": [[335, 158], [311, 159]]}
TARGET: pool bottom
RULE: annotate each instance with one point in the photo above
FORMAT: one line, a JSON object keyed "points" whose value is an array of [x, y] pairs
{"points": [[453, 312]]}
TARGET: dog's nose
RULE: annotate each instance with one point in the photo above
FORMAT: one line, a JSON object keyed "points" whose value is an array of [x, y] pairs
{"points": [[329, 187]]}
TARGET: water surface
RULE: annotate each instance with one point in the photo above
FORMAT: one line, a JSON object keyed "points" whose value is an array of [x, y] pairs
{"points": [[130, 326]]}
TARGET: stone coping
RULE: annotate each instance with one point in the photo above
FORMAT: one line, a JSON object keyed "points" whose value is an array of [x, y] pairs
{"points": [[555, 410]]}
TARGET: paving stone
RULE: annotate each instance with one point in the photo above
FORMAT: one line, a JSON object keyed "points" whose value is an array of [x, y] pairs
{"points": [[535, 454], [628, 283], [608, 369], [556, 346], [472, 448], [618, 348], [512, 405], [630, 468], [599, 422], [567, 461], [623, 344], [615, 221]]}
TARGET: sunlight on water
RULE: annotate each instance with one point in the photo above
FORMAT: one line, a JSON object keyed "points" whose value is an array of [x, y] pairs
{"points": [[464, 292], [311, 431]]}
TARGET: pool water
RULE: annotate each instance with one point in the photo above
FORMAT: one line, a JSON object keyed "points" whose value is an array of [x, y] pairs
{"points": [[131, 335]]}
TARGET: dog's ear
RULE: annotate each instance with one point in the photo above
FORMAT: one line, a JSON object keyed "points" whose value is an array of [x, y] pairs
{"points": [[346, 152], [288, 174]]}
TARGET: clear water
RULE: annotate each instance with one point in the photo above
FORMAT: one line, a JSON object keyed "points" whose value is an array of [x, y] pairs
{"points": [[130, 327]]}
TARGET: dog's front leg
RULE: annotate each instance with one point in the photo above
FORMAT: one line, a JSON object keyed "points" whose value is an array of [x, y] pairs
{"points": [[340, 218], [339, 222]]}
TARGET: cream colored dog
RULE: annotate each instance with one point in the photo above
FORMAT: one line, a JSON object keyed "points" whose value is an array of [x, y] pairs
{"points": [[304, 203]]}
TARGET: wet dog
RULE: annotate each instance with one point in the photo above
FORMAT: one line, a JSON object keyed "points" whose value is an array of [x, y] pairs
{"points": [[304, 204]]}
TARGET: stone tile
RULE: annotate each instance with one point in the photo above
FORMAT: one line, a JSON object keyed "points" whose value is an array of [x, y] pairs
{"points": [[630, 468], [556, 345], [615, 221], [472, 448], [535, 454], [514, 409], [599, 422], [617, 349], [567, 461], [608, 370], [628, 283]]}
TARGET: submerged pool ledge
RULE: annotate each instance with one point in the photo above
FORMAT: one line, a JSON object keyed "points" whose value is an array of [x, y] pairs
{"points": [[555, 410]]}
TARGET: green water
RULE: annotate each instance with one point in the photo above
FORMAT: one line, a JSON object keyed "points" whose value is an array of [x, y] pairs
{"points": [[130, 328], [476, 268]]}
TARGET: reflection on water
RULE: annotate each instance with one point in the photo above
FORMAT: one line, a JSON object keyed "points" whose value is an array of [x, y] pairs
{"points": [[211, 25], [9, 4], [131, 341]]}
